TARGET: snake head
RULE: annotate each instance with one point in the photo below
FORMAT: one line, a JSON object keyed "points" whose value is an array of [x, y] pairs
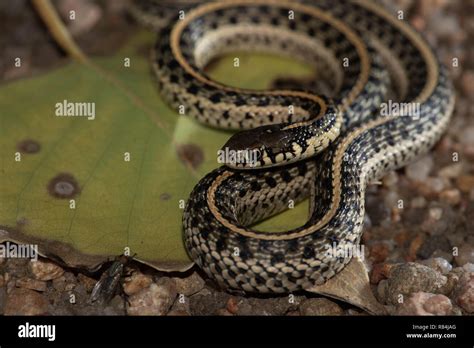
{"points": [[255, 148]]}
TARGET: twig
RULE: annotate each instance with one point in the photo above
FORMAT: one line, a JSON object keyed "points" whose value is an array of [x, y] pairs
{"points": [[58, 30]]}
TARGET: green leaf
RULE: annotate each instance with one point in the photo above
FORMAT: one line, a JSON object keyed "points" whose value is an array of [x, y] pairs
{"points": [[118, 204]]}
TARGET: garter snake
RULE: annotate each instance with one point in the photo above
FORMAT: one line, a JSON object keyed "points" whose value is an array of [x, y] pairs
{"points": [[328, 148]]}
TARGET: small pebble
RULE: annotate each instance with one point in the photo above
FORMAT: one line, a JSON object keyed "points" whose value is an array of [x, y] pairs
{"points": [[189, 285], [391, 199], [418, 202], [396, 216], [88, 282], [444, 26], [455, 239], [468, 267], [320, 306], [451, 196], [378, 252], [59, 284], [240, 306], [379, 272], [465, 255], [420, 169], [232, 305], [87, 15], [401, 238], [422, 303], [136, 282], [464, 292], [435, 185], [441, 220], [390, 179], [206, 302], [469, 152], [31, 284], [444, 145], [431, 244], [439, 264], [18, 267], [451, 171], [45, 270], [408, 278], [436, 213], [467, 84], [378, 213], [397, 5], [70, 286], [465, 183], [25, 302], [154, 300], [414, 247], [418, 23], [453, 279], [448, 256]]}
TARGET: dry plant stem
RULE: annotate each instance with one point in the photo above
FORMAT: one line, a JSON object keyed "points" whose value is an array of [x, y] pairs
{"points": [[58, 30]]}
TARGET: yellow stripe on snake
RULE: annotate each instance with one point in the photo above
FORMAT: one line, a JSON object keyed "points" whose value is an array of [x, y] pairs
{"points": [[305, 144]]}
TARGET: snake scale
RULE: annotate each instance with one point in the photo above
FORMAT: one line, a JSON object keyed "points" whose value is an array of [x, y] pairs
{"points": [[326, 147]]}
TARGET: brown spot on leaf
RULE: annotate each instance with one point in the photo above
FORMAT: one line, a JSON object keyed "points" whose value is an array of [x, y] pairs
{"points": [[28, 146], [165, 196], [191, 154], [21, 222], [143, 50], [63, 185]]}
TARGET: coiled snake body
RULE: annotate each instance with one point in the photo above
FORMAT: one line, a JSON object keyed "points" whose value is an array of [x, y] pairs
{"points": [[329, 148]]}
